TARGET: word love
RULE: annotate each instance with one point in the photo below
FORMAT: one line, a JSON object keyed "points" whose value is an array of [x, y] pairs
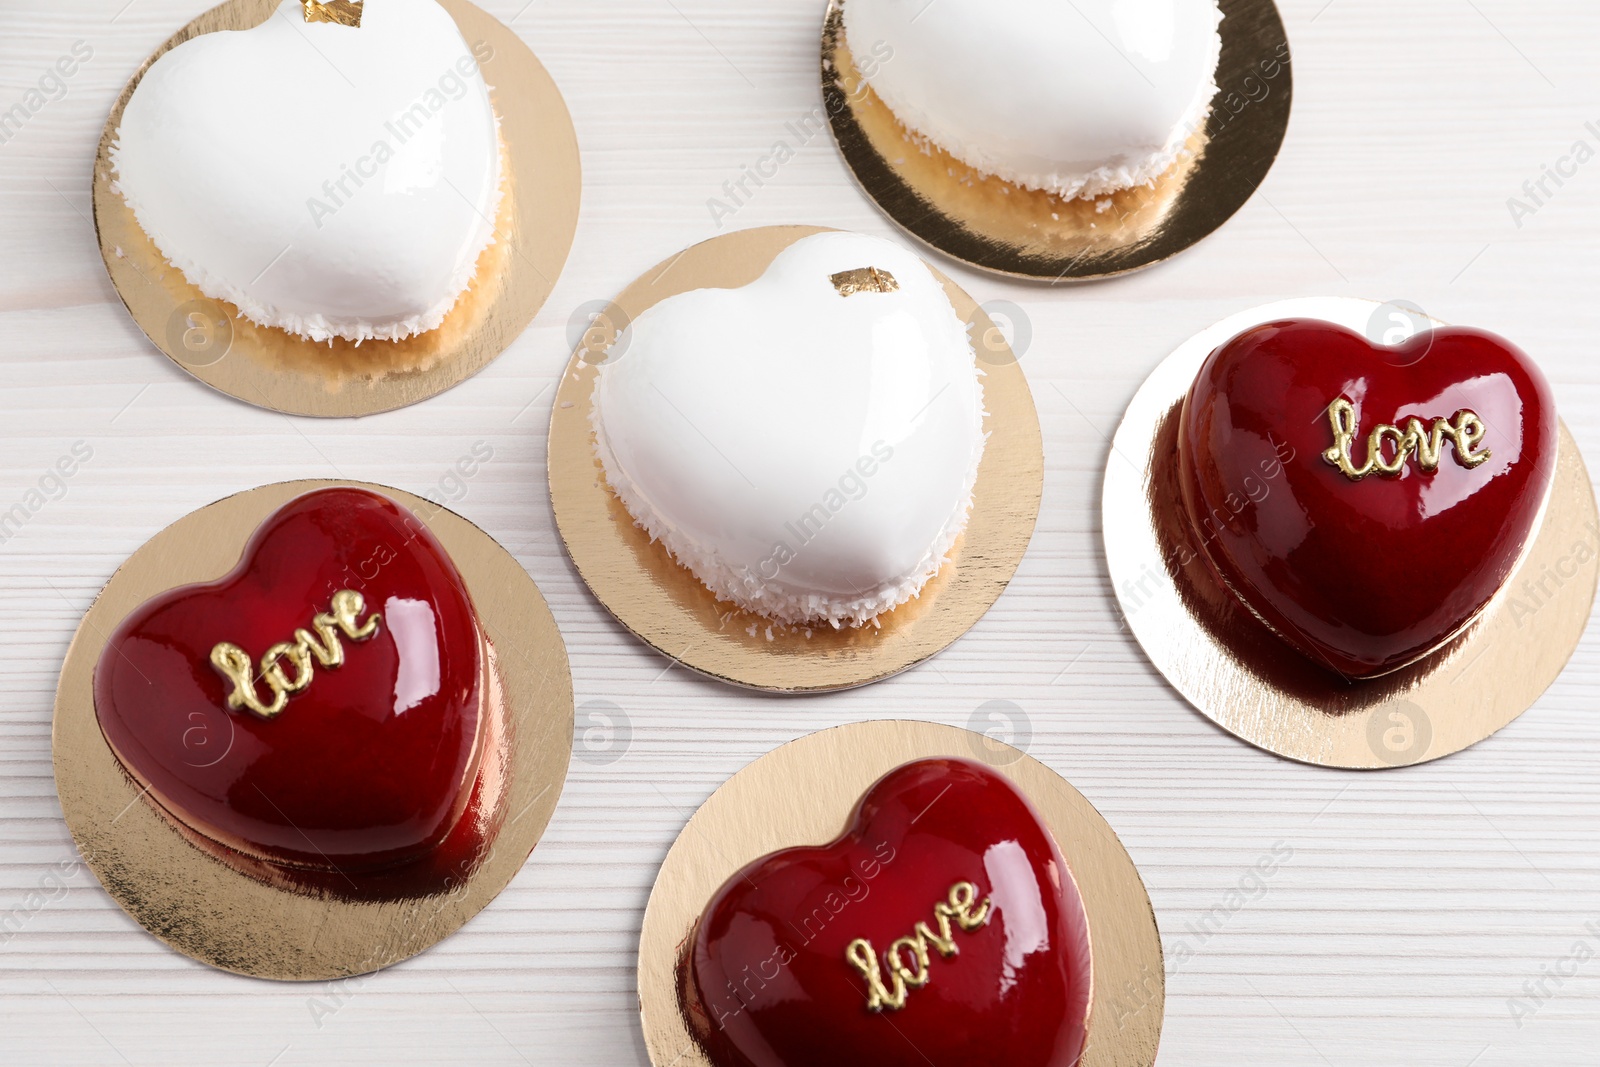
{"points": [[907, 959], [320, 643], [1466, 433]]}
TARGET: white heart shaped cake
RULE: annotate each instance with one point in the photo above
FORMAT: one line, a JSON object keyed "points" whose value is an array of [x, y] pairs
{"points": [[1080, 98], [807, 445], [330, 180]]}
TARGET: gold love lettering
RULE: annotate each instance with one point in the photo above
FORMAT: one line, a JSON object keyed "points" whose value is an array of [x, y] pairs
{"points": [[908, 959], [319, 645], [1466, 432]]}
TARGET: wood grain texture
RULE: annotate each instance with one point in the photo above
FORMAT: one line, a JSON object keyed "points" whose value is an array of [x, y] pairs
{"points": [[1417, 904]]}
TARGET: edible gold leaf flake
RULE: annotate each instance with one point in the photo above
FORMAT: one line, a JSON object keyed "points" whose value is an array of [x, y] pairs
{"points": [[340, 12], [864, 280]]}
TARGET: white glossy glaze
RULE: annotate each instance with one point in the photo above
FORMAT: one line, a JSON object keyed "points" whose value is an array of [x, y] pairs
{"points": [[1081, 99], [332, 181], [809, 456]]}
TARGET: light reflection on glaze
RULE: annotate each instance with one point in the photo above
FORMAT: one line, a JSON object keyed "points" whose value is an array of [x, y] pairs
{"points": [[416, 634], [769, 979], [1363, 576], [348, 777], [1019, 897]]}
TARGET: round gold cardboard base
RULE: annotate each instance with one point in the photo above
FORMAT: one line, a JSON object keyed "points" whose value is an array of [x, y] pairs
{"points": [[803, 794], [997, 226], [208, 910], [273, 369], [1241, 675], [668, 608]]}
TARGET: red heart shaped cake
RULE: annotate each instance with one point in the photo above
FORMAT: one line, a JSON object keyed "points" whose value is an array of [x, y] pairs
{"points": [[1365, 501], [322, 705], [944, 922]]}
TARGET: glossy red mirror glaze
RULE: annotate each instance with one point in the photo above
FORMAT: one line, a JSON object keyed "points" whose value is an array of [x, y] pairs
{"points": [[769, 976], [1364, 575], [371, 763]]}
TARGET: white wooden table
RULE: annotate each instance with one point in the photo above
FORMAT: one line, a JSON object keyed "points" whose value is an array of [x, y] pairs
{"points": [[1419, 908]]}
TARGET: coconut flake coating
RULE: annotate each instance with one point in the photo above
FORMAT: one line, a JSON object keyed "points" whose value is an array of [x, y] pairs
{"points": [[326, 180], [809, 456], [1079, 99]]}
